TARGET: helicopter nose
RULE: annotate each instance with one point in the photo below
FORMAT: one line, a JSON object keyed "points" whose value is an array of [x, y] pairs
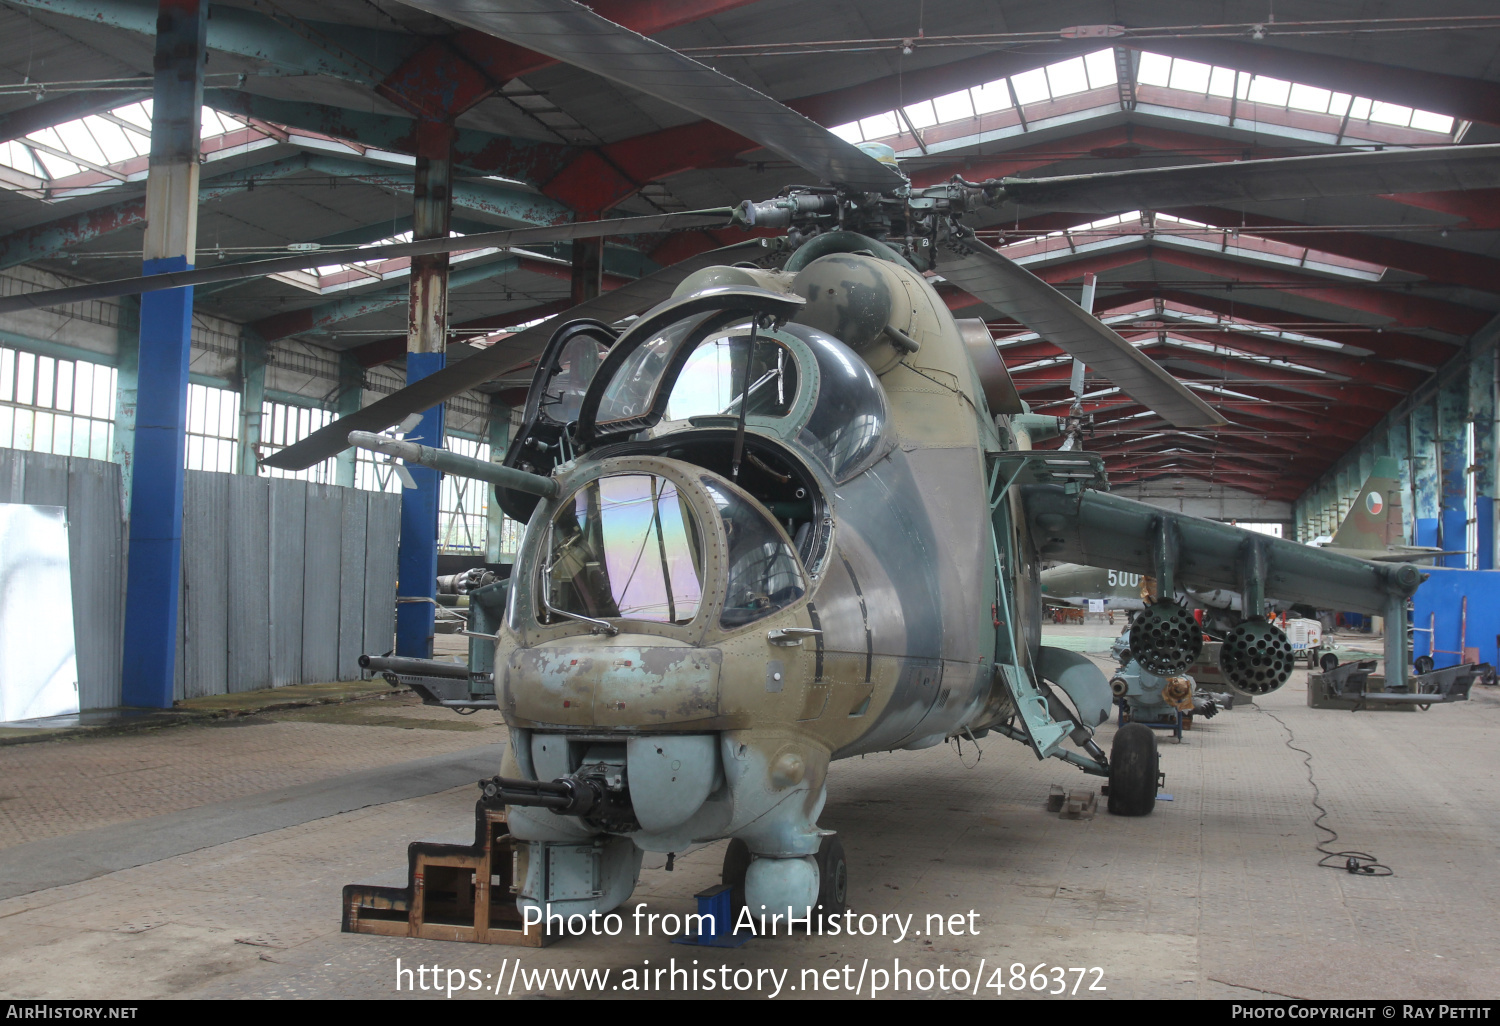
{"points": [[628, 680]]}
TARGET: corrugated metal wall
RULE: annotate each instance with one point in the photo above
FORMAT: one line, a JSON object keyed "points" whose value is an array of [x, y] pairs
{"points": [[283, 582], [90, 489]]}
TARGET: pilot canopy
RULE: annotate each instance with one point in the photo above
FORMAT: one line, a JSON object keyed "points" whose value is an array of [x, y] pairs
{"points": [[684, 364]]}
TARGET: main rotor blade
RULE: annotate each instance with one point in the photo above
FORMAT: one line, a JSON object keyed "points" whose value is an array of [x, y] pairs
{"points": [[1434, 169], [716, 218], [505, 356], [1007, 286], [572, 33]]}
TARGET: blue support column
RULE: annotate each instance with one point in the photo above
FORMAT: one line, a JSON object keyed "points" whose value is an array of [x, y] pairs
{"points": [[154, 577], [426, 353]]}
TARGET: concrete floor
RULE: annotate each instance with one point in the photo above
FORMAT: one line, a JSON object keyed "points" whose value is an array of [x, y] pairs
{"points": [[207, 861]]}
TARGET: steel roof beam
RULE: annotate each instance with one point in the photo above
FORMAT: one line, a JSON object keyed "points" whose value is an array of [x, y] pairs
{"points": [[348, 52], [525, 160], [1387, 345], [53, 238], [339, 311], [70, 107], [1399, 308], [1451, 266]]}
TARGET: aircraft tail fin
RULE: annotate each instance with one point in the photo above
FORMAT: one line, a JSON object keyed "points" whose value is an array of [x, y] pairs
{"points": [[1374, 521]]}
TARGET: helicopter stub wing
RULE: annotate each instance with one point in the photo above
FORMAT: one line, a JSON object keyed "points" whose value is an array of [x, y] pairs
{"points": [[991, 277], [572, 33], [1084, 525], [502, 358]]}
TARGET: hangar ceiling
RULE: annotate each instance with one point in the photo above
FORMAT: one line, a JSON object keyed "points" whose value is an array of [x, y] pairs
{"points": [[1302, 321]]}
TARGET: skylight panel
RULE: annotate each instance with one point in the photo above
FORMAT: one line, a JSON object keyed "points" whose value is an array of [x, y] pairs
{"points": [[138, 114], [990, 97], [1189, 76], [1067, 77], [1360, 109], [13, 154], [880, 126], [954, 106], [1154, 69], [1031, 86], [1221, 82], [78, 140], [1390, 113], [1430, 122], [1306, 97], [921, 114], [849, 132], [1101, 69], [1272, 91]]}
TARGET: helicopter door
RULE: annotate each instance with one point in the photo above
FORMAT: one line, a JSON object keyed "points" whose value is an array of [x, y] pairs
{"points": [[631, 390], [563, 373]]}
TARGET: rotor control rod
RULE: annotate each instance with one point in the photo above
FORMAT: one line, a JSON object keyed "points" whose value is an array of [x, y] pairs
{"points": [[566, 796], [413, 667], [453, 463]]}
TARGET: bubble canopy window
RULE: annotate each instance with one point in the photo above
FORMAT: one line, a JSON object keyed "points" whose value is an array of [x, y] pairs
{"points": [[633, 386], [711, 382], [764, 572], [626, 546]]}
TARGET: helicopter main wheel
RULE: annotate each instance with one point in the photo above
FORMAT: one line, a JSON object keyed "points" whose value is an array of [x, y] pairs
{"points": [[1422, 665], [833, 878], [1134, 767], [1329, 662], [736, 865]]}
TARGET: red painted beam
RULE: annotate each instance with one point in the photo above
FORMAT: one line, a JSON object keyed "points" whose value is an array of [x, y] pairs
{"points": [[1388, 345], [1400, 307], [1446, 265], [1355, 385], [1353, 372]]}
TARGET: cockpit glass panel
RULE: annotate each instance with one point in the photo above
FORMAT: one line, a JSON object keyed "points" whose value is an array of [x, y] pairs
{"points": [[714, 375], [848, 425], [631, 390], [577, 363], [764, 572], [625, 546]]}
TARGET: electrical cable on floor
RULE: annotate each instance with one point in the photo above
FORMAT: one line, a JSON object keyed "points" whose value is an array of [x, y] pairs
{"points": [[1357, 862]]}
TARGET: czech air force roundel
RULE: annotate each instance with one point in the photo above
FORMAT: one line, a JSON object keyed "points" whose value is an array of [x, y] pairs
{"points": [[1374, 503]]}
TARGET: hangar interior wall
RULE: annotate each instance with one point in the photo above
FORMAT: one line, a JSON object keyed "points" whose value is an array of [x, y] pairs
{"points": [[1443, 438], [283, 581]]}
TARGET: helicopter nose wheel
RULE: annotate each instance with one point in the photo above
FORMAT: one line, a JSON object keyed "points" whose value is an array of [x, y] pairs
{"points": [[1134, 770], [833, 875]]}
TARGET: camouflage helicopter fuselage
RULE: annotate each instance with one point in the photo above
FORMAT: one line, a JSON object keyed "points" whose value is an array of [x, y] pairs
{"points": [[729, 730], [792, 516]]}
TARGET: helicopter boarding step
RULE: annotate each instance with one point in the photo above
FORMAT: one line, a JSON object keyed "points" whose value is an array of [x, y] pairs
{"points": [[454, 892]]}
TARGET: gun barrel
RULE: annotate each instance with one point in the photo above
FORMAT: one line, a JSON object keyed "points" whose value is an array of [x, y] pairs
{"points": [[563, 795], [413, 667], [453, 463]]}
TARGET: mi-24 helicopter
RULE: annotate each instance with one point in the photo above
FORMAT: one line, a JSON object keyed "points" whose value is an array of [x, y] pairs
{"points": [[790, 513]]}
